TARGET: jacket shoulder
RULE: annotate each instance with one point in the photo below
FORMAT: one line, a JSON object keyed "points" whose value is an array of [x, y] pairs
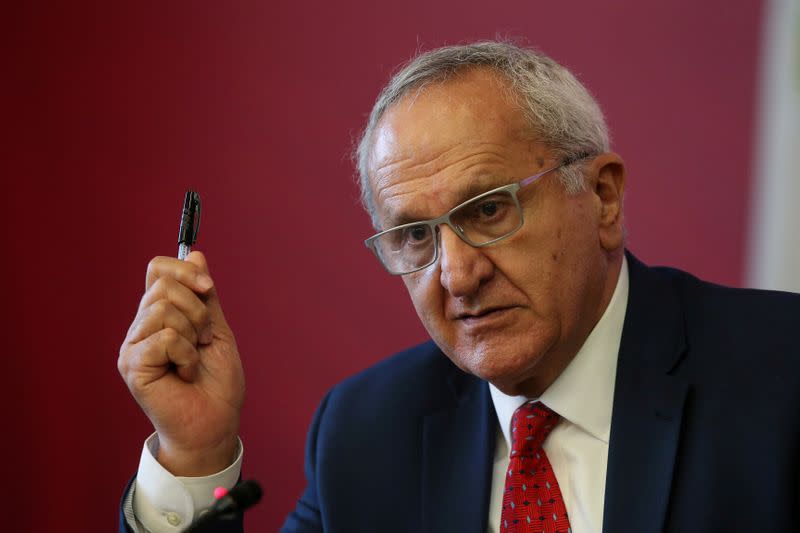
{"points": [[413, 380], [712, 303], [753, 328]]}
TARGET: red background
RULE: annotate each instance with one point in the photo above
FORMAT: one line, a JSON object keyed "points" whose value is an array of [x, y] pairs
{"points": [[111, 110]]}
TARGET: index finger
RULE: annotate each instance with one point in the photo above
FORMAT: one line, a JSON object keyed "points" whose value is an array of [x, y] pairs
{"points": [[185, 272]]}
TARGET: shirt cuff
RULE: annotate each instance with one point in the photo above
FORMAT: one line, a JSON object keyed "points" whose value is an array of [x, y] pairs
{"points": [[166, 503]]}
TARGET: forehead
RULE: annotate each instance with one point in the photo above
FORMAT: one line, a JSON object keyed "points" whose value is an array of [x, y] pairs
{"points": [[434, 144]]}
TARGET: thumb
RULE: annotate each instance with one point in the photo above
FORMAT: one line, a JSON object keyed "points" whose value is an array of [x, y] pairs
{"points": [[210, 296], [198, 259]]}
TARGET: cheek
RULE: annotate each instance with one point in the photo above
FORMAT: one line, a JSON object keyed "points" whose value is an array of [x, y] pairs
{"points": [[549, 261], [572, 258], [532, 263], [567, 225]]}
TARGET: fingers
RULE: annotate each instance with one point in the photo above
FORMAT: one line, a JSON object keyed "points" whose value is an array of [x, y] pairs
{"points": [[210, 296], [199, 260], [174, 316], [176, 298], [163, 314], [148, 360], [193, 272]]}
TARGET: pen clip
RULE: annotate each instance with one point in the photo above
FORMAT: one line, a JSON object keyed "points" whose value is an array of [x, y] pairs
{"points": [[190, 218]]}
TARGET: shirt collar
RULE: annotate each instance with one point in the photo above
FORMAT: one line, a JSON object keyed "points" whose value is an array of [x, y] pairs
{"points": [[584, 392]]}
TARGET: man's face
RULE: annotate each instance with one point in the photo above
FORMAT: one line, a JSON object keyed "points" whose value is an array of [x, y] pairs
{"points": [[514, 313]]}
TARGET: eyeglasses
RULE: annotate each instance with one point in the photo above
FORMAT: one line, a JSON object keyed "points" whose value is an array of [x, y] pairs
{"points": [[481, 221]]}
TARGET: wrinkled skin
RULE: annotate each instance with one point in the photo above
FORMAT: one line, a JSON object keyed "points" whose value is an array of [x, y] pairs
{"points": [[515, 313]]}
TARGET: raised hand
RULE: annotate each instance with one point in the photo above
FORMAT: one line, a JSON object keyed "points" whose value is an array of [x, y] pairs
{"points": [[180, 362]]}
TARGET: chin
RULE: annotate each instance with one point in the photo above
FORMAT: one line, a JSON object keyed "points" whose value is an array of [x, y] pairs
{"points": [[505, 367], [514, 362]]}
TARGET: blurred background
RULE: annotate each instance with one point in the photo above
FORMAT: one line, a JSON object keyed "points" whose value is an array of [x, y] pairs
{"points": [[111, 110]]}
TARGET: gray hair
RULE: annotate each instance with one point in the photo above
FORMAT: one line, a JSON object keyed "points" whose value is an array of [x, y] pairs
{"points": [[560, 111]]}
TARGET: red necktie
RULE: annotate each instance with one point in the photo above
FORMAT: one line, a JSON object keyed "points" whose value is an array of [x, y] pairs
{"points": [[532, 501]]}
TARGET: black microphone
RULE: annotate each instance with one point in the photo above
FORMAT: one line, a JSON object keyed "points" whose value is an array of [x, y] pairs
{"points": [[241, 497]]}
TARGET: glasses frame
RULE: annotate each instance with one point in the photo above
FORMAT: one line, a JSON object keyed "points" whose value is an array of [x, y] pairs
{"points": [[434, 223]]}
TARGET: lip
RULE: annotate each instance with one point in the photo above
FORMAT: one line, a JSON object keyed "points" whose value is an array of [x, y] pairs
{"points": [[485, 317]]}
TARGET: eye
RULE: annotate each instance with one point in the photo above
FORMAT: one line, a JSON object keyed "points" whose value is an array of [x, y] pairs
{"points": [[415, 236], [418, 233], [488, 208]]}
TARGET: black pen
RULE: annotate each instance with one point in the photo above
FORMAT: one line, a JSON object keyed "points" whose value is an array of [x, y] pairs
{"points": [[190, 224]]}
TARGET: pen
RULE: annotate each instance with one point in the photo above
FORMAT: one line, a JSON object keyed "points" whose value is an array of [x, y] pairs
{"points": [[190, 224]]}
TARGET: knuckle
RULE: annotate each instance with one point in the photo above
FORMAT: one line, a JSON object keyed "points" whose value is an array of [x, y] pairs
{"points": [[128, 365], [137, 383], [122, 364], [160, 286], [160, 307], [152, 268], [170, 335], [154, 292], [132, 329], [168, 268], [159, 290]]}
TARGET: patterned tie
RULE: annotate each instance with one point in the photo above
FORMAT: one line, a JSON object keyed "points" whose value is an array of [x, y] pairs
{"points": [[532, 501]]}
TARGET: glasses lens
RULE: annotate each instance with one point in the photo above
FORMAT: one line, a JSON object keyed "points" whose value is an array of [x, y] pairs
{"points": [[488, 218], [406, 248]]}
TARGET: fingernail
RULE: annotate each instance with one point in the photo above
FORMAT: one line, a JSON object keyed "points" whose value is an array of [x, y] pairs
{"points": [[203, 282]]}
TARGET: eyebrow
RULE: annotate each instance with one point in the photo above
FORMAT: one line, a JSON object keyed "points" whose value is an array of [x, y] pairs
{"points": [[477, 185]]}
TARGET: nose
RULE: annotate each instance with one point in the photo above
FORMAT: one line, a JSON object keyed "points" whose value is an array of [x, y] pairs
{"points": [[463, 267]]}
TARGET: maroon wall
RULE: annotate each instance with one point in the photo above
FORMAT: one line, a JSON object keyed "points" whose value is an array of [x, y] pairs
{"points": [[112, 110]]}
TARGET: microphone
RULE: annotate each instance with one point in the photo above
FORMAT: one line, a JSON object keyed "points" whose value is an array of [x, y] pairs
{"points": [[230, 506]]}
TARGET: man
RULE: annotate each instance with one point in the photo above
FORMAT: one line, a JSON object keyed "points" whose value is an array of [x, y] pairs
{"points": [[568, 387]]}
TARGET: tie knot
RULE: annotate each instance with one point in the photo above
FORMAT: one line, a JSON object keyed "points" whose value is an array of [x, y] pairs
{"points": [[530, 425]]}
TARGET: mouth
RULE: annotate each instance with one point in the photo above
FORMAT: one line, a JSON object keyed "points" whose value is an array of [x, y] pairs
{"points": [[483, 315]]}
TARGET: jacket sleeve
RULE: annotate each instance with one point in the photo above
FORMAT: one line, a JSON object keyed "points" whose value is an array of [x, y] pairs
{"points": [[123, 523], [308, 515]]}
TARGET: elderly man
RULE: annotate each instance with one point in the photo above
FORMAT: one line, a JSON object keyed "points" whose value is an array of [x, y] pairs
{"points": [[568, 386]]}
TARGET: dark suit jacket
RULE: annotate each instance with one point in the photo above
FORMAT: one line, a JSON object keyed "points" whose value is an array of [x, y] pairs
{"points": [[705, 431]]}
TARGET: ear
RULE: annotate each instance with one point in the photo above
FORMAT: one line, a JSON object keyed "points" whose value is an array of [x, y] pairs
{"points": [[608, 182]]}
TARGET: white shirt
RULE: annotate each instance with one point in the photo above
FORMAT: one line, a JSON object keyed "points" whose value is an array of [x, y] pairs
{"points": [[583, 395], [577, 448], [163, 503]]}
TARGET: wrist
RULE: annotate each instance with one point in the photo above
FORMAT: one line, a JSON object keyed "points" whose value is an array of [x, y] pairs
{"points": [[197, 462]]}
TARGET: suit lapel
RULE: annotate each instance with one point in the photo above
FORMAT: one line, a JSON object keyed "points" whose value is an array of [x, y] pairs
{"points": [[648, 406], [457, 448]]}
